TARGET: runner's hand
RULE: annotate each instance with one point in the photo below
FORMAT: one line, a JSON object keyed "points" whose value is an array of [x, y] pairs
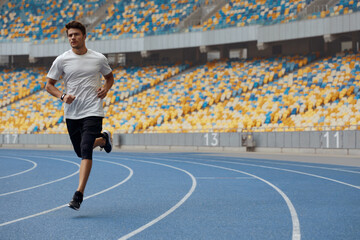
{"points": [[101, 93], [69, 98]]}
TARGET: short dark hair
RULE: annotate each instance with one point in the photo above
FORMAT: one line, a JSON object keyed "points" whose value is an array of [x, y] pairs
{"points": [[76, 24]]}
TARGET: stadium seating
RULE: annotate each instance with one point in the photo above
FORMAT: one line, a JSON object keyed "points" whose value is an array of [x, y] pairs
{"points": [[29, 110], [16, 84], [321, 96], [32, 20], [33, 114], [324, 96], [276, 94], [342, 7], [132, 82], [200, 88], [243, 13], [41, 20], [142, 18]]}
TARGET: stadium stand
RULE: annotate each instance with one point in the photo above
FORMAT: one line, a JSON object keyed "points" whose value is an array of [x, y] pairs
{"points": [[196, 101], [140, 18], [342, 7], [33, 20], [130, 84], [41, 20], [321, 96], [275, 94], [243, 13], [284, 93], [16, 84], [38, 112], [33, 113], [133, 80]]}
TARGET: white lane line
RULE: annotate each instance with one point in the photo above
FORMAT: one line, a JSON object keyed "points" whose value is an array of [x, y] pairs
{"points": [[44, 184], [131, 172], [280, 163], [165, 214], [65, 205], [296, 235], [172, 209], [23, 159], [221, 178], [298, 172], [302, 165], [282, 169]]}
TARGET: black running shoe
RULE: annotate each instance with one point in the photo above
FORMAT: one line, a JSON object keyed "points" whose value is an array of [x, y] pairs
{"points": [[108, 141], [76, 201]]}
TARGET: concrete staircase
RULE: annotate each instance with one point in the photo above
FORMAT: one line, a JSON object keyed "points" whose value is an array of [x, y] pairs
{"points": [[90, 21], [2, 2], [317, 6], [201, 14]]}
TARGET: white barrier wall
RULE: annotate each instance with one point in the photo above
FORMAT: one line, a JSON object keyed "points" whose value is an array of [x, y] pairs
{"points": [[341, 140], [316, 139], [310, 28]]}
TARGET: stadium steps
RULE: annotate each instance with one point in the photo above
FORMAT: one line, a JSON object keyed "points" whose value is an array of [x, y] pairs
{"points": [[187, 70], [143, 87], [201, 14], [215, 9], [2, 2], [100, 14], [317, 6]]}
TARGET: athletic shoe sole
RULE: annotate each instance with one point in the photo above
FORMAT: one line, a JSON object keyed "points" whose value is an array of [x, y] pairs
{"points": [[108, 144], [72, 207]]}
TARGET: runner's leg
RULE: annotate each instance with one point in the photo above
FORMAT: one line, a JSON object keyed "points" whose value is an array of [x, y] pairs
{"points": [[85, 169], [91, 130]]}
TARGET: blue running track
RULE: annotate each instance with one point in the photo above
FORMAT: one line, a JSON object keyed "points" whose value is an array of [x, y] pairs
{"points": [[144, 195]]}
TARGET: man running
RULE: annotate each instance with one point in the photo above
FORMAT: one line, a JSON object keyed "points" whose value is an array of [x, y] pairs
{"points": [[82, 70]]}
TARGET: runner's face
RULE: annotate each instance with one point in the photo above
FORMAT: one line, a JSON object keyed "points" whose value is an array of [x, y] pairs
{"points": [[76, 38]]}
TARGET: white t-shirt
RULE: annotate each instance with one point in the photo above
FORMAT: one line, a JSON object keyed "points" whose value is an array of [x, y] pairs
{"points": [[82, 78]]}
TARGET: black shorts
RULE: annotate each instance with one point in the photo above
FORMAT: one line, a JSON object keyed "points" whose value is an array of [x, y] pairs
{"points": [[83, 133]]}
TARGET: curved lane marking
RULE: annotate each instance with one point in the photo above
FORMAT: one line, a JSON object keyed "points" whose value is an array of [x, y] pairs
{"points": [[23, 159], [165, 214], [296, 235], [44, 184], [289, 170], [302, 165], [65, 205]]}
